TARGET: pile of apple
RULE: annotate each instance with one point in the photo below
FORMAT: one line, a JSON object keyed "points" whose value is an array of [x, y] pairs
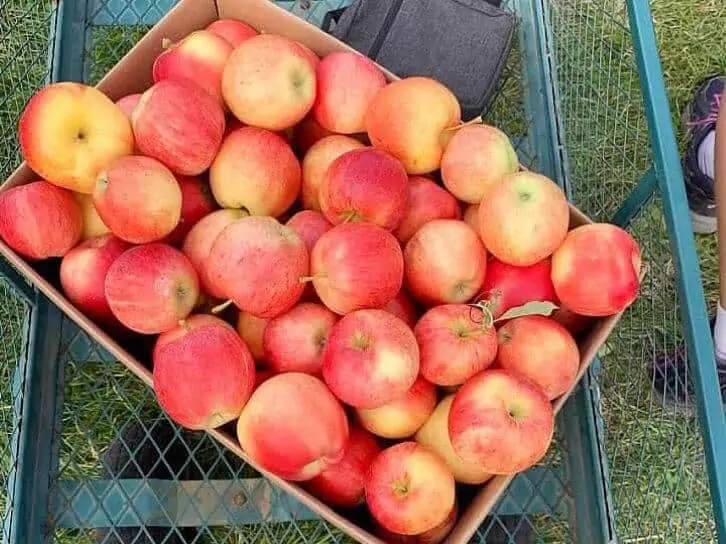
{"points": [[339, 263]]}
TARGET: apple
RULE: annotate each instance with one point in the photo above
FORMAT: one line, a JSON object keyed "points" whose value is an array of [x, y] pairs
{"points": [[316, 162], [409, 489], [433, 536], [259, 263], [523, 218], [293, 427], [93, 225], [409, 118], [306, 133], [255, 170], [471, 216], [179, 124], [609, 258], [476, 157], [39, 220], [128, 103], [310, 225], [198, 243], [139, 199], [455, 342], [402, 307], [69, 132], [150, 288], [83, 273], [371, 358], [445, 262], [294, 341], [427, 201], [252, 330], [404, 415], [501, 422], [232, 30], [355, 266], [269, 82], [197, 202], [199, 57], [507, 286], [346, 83], [365, 185], [203, 373], [541, 350], [342, 485], [434, 435]]}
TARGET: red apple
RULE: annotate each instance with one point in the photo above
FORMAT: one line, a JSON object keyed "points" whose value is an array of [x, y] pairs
{"points": [[432, 536], [342, 485], [197, 202], [356, 266], [501, 422], [128, 103], [434, 435], [198, 243], [371, 359], [427, 201], [151, 287], [316, 163], [269, 82], [608, 258], [477, 157], [139, 199], [199, 58], [455, 342], [403, 308], [507, 286], [346, 84], [540, 349], [403, 416], [258, 263], [310, 226], [256, 170], [83, 273], [366, 185], [293, 427], [39, 220], [294, 341], [575, 323], [523, 218], [252, 330], [409, 489], [232, 30], [203, 373], [180, 125], [445, 262]]}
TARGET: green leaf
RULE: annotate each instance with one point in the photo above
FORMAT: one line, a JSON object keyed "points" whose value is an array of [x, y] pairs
{"points": [[531, 308]]}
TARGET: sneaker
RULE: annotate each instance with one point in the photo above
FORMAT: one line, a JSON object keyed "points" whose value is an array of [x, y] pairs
{"points": [[701, 116], [671, 385]]}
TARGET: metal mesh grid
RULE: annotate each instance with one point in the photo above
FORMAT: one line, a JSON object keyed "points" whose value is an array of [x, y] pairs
{"points": [[659, 483]]}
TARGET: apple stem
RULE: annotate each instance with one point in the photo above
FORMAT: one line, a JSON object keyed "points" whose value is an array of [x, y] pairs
{"points": [[221, 307], [476, 121], [166, 43], [184, 325]]}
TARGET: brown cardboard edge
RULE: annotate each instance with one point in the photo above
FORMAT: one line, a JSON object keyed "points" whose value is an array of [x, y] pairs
{"points": [[127, 77]]}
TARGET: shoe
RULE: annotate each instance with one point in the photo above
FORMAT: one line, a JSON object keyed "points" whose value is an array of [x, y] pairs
{"points": [[671, 385], [701, 116]]}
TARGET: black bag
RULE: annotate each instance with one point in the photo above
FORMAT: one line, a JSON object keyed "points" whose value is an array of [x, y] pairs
{"points": [[462, 43]]}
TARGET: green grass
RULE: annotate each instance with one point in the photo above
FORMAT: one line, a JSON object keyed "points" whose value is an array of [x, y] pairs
{"points": [[658, 481]]}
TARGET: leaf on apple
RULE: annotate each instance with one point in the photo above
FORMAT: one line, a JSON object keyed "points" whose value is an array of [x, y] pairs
{"points": [[531, 308]]}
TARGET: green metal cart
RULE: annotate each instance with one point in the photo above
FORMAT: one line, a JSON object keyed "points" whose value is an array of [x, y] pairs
{"points": [[584, 100]]}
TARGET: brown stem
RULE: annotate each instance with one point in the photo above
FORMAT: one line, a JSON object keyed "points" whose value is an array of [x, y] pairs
{"points": [[476, 121]]}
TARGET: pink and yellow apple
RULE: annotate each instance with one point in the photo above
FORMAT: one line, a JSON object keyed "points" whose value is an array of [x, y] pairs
{"points": [[371, 358], [252, 330], [39, 220], [139, 199], [433, 536], [409, 489], [445, 262], [150, 288], [93, 225], [403, 308], [197, 202], [203, 373], [128, 103], [232, 30], [501, 422], [427, 201], [310, 225], [255, 170], [609, 258], [293, 427], [523, 218], [69, 132]]}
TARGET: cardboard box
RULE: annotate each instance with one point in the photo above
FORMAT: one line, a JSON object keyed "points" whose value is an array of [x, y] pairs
{"points": [[133, 74]]}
